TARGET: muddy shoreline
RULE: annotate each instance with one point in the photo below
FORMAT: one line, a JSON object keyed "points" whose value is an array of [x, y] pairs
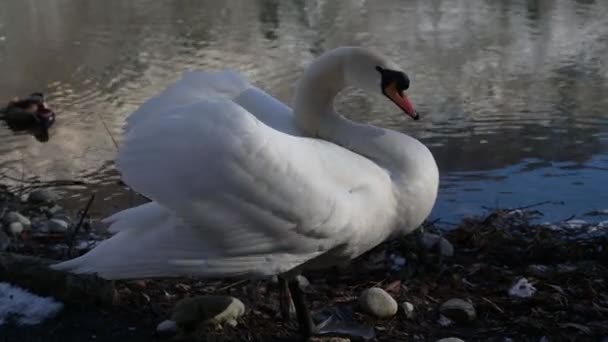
{"points": [[566, 263]]}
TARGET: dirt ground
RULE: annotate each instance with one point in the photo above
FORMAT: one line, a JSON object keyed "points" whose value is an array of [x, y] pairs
{"points": [[568, 269]]}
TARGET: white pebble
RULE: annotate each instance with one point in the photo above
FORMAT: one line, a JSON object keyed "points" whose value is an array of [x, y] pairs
{"points": [[16, 228], [377, 302], [14, 216], [408, 309]]}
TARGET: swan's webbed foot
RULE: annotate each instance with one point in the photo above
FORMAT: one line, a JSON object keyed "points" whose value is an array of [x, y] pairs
{"points": [[336, 324]]}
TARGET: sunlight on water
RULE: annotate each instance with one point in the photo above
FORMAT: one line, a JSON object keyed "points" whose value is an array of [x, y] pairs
{"points": [[510, 92]]}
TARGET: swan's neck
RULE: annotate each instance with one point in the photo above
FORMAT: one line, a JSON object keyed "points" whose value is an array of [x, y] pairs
{"points": [[315, 114], [410, 164], [316, 91]]}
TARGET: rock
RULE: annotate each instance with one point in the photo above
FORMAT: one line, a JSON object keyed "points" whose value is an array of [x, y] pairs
{"points": [[42, 196], [167, 327], [58, 225], [458, 310], [408, 309], [209, 309], [445, 247], [450, 339], [377, 302], [55, 209], [14, 216], [429, 240], [16, 228]]}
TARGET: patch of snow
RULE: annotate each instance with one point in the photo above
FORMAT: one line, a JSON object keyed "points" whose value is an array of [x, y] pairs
{"points": [[397, 262], [24, 307], [444, 321], [522, 289]]}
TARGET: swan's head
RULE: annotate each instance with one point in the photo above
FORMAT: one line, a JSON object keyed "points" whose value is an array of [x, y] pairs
{"points": [[375, 73]]}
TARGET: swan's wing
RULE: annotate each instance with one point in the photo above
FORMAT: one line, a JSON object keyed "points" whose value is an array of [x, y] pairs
{"points": [[196, 86], [261, 200], [233, 196]]}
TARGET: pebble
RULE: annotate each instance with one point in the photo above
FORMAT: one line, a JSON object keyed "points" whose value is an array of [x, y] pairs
{"points": [[58, 225], [16, 228], [42, 196], [445, 247], [430, 240], [55, 209], [208, 309], [14, 216], [458, 310], [408, 309], [377, 302], [450, 339], [167, 326]]}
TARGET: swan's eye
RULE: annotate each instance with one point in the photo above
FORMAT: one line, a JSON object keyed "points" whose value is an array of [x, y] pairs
{"points": [[399, 78]]}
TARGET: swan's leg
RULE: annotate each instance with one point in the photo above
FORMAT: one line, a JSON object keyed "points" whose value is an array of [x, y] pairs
{"points": [[284, 299], [305, 322]]}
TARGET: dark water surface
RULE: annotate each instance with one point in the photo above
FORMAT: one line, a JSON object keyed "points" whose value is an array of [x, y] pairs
{"points": [[514, 94]]}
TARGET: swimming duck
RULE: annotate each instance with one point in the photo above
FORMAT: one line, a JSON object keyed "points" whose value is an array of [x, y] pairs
{"points": [[28, 113]]}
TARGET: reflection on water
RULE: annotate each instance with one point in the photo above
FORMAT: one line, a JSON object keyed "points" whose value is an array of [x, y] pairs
{"points": [[513, 93]]}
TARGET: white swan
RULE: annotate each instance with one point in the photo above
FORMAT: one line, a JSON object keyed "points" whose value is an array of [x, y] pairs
{"points": [[244, 187]]}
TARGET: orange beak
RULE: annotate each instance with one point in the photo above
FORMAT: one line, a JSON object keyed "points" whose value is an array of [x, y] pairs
{"points": [[400, 99]]}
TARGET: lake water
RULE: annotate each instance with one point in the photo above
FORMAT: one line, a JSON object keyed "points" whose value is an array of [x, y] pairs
{"points": [[513, 94]]}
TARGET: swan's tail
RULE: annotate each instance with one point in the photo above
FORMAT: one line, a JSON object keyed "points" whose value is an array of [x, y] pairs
{"points": [[150, 242]]}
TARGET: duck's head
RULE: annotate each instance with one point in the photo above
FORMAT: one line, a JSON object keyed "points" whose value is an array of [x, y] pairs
{"points": [[45, 115]]}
